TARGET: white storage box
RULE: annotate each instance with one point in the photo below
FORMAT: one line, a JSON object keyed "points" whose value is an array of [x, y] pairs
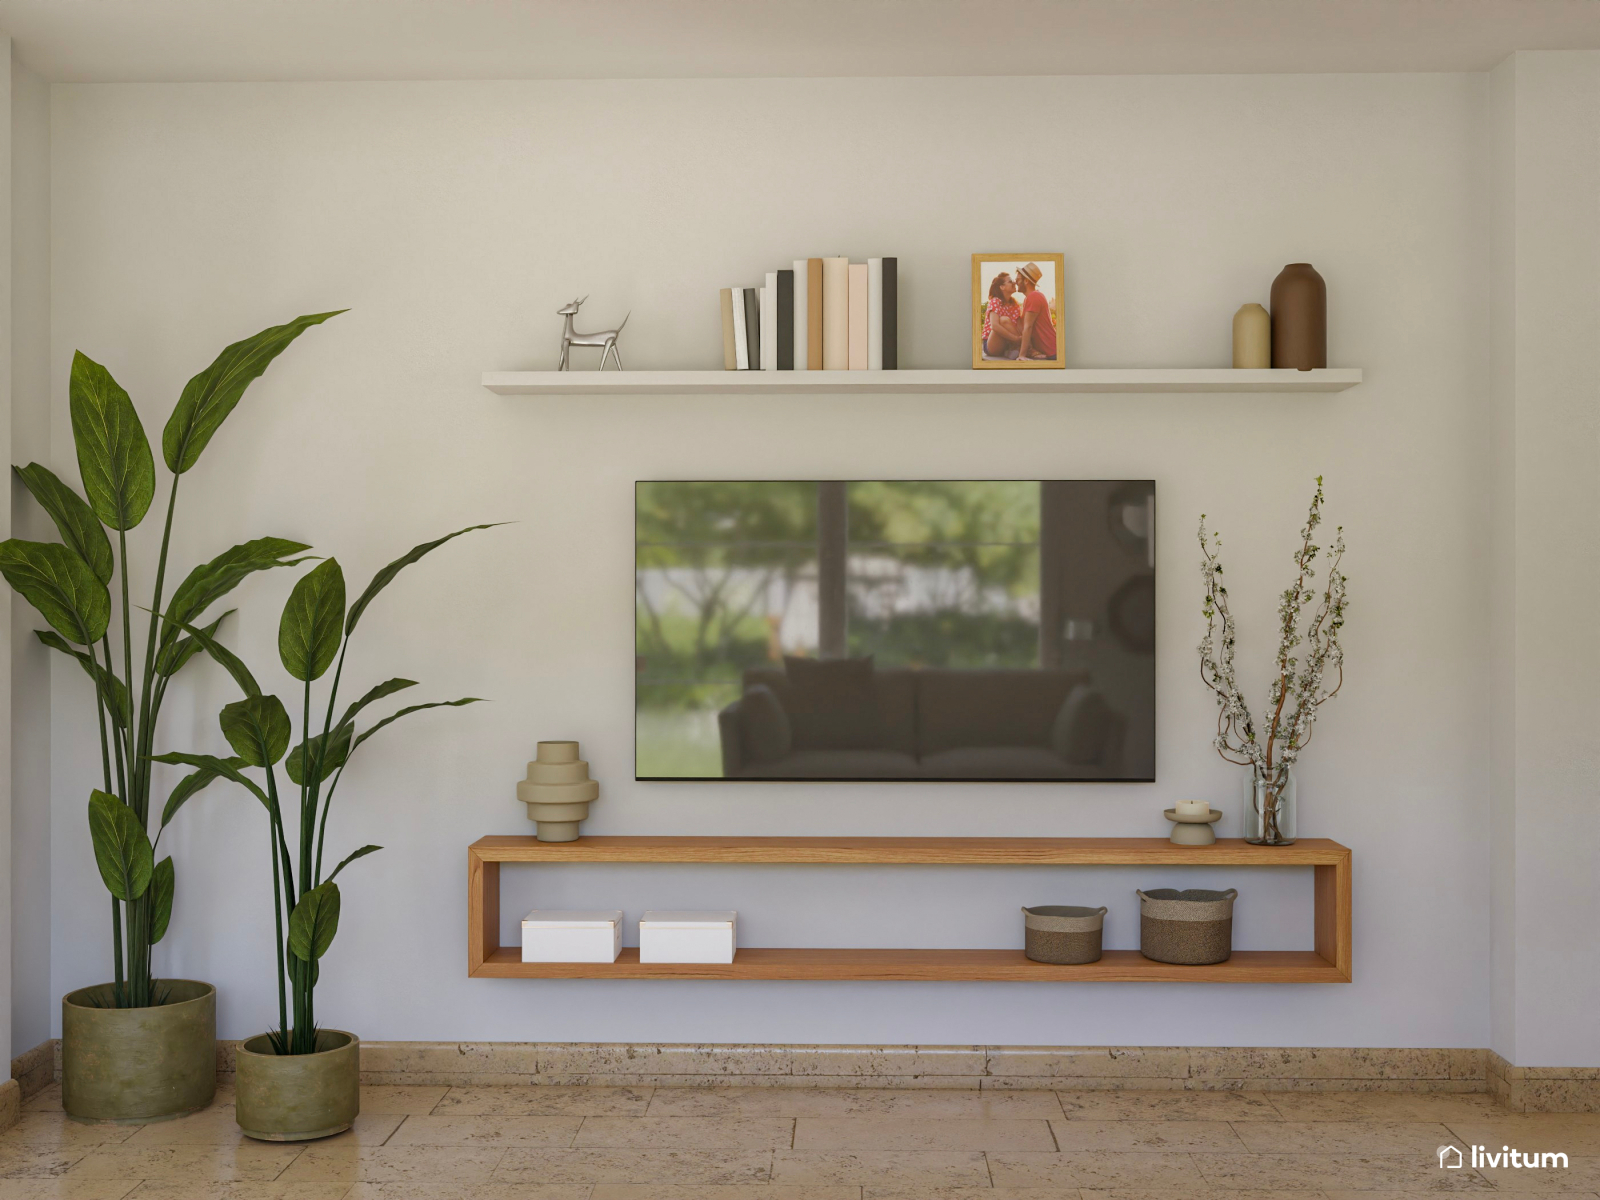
{"points": [[552, 936], [687, 937]]}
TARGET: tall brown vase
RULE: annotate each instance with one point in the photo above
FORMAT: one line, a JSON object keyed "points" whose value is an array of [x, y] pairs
{"points": [[1299, 318]]}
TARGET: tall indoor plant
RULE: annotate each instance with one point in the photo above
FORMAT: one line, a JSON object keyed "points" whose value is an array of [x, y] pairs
{"points": [[137, 1048], [302, 1081], [1300, 683]]}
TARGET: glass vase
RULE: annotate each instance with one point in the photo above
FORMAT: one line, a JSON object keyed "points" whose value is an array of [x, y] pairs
{"points": [[1269, 807]]}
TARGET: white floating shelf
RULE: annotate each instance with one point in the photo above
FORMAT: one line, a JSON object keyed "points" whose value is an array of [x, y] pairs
{"points": [[699, 383]]}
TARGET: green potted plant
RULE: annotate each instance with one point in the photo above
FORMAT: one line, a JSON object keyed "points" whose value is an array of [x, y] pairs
{"points": [[139, 1048], [300, 1081]]}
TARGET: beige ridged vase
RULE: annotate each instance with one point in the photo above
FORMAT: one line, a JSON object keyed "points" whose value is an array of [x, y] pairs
{"points": [[558, 792]]}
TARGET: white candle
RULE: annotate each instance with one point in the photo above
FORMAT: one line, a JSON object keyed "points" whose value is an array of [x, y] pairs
{"points": [[1194, 808]]}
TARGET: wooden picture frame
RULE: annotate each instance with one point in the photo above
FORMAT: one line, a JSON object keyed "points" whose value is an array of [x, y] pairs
{"points": [[987, 270]]}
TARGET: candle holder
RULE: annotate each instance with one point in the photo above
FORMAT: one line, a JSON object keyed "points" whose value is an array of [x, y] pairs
{"points": [[1193, 831]]}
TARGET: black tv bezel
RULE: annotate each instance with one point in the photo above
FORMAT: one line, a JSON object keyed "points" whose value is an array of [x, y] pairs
{"points": [[722, 779]]}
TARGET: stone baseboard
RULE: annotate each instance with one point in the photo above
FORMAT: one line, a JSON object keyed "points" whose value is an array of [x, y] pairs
{"points": [[36, 1069], [1543, 1089]]}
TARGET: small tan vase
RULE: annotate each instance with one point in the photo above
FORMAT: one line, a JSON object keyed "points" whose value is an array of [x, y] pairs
{"points": [[558, 792], [1252, 338], [298, 1097], [131, 1066]]}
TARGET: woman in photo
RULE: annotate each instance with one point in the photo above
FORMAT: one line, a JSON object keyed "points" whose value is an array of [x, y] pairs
{"points": [[1002, 319]]}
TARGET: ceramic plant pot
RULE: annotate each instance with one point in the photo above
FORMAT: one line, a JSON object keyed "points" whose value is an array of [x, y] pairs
{"points": [[558, 792], [131, 1066], [298, 1097], [1299, 318]]}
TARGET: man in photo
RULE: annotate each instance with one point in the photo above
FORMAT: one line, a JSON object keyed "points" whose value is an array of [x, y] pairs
{"points": [[1038, 330]]}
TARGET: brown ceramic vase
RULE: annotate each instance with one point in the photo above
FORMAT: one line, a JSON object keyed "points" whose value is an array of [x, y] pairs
{"points": [[1299, 318]]}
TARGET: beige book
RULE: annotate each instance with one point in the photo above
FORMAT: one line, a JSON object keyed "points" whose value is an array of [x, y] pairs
{"points": [[813, 347], [836, 314], [730, 358], [858, 316]]}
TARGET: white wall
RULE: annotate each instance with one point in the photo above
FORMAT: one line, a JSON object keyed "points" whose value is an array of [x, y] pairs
{"points": [[33, 1001], [454, 219]]}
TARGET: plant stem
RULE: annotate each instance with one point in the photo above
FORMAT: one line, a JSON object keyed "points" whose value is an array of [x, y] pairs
{"points": [[118, 987], [141, 764]]}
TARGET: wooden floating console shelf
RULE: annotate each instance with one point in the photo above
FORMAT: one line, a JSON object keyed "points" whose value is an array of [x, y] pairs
{"points": [[701, 383], [1328, 962]]}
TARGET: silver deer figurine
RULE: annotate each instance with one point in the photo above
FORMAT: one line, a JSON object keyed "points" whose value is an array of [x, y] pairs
{"points": [[607, 339]]}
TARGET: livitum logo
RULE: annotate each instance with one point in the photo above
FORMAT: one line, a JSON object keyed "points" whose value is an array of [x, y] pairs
{"points": [[1452, 1159]]}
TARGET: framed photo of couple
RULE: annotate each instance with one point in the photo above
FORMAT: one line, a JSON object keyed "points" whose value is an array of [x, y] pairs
{"points": [[1016, 311]]}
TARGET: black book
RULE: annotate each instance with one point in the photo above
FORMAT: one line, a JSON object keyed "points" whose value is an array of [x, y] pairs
{"points": [[891, 325], [752, 325], [785, 320]]}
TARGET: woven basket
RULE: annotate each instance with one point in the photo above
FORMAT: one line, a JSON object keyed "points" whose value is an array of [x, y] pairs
{"points": [[1063, 933], [1190, 928]]}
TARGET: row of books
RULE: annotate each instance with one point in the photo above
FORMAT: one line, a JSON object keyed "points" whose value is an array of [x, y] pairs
{"points": [[826, 314]]}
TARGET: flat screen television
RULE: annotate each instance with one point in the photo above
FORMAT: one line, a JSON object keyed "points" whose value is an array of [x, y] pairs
{"points": [[895, 630]]}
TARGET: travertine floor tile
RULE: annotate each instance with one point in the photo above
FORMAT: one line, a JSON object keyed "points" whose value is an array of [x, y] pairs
{"points": [[1352, 1172], [404, 1101], [626, 1165], [1574, 1134], [920, 1133], [486, 1131], [1204, 1193], [542, 1100], [1340, 1194], [756, 1191], [64, 1188], [468, 1191], [881, 1167], [168, 1189], [327, 1163], [47, 1099], [1582, 1176], [1002, 1193], [842, 1102], [220, 1127], [1165, 1137], [1377, 1106], [1098, 1169], [1420, 1138], [245, 1162], [687, 1133], [54, 1129], [1167, 1106]]}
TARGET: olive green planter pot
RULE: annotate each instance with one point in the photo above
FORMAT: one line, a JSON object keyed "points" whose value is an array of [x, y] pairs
{"points": [[131, 1066], [297, 1097]]}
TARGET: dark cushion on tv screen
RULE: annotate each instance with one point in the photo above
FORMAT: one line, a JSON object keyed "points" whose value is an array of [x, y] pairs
{"points": [[988, 706], [833, 703], [1082, 726], [764, 725], [1000, 762], [836, 764]]}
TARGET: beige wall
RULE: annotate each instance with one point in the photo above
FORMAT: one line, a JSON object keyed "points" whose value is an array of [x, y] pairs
{"points": [[454, 218]]}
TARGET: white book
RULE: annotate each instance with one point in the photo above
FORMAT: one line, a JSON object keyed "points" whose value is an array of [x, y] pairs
{"points": [[801, 269], [769, 323], [874, 314], [741, 336]]}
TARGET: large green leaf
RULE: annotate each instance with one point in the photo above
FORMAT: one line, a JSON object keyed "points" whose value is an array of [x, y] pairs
{"points": [[175, 657], [116, 695], [387, 688], [119, 473], [351, 857], [74, 519], [210, 396], [257, 728], [393, 717], [217, 766], [53, 579], [224, 657], [314, 921], [308, 633], [121, 846], [386, 576], [328, 761], [211, 581], [190, 785], [161, 887]]}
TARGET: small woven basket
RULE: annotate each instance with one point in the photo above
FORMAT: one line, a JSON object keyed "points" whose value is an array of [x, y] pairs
{"points": [[1063, 933], [1190, 928]]}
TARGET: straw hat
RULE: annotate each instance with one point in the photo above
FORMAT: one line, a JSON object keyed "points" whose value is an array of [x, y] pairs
{"points": [[1031, 271]]}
